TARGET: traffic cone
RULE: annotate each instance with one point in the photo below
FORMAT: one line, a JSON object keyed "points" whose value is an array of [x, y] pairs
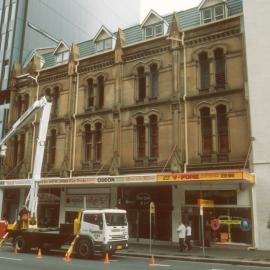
{"points": [[106, 259], [39, 256], [15, 250], [152, 261], [67, 257]]}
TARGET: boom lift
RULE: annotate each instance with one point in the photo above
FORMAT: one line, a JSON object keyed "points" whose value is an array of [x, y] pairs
{"points": [[45, 105], [102, 231]]}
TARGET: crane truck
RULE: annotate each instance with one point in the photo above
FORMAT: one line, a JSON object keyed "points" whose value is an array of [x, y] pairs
{"points": [[94, 230]]}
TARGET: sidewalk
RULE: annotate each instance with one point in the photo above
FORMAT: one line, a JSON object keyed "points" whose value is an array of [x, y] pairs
{"points": [[216, 254]]}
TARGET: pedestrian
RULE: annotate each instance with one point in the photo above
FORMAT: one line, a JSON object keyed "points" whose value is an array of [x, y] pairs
{"points": [[181, 234], [188, 236]]}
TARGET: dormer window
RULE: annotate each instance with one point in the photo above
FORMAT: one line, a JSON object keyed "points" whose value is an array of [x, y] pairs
{"points": [[154, 25], [62, 57], [104, 44], [213, 11]]}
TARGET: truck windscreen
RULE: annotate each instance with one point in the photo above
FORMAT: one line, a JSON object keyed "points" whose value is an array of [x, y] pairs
{"points": [[116, 219]]}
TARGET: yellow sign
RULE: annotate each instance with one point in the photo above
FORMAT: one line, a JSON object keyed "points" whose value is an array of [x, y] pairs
{"points": [[207, 176], [152, 208], [205, 203], [230, 222]]}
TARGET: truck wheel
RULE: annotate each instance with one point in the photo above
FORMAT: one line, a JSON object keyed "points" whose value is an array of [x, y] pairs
{"points": [[20, 244], [84, 249]]}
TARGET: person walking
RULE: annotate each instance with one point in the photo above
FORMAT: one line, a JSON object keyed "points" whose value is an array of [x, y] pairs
{"points": [[181, 234], [188, 236]]}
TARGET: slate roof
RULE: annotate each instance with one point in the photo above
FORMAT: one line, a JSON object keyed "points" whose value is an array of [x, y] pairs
{"points": [[188, 18]]}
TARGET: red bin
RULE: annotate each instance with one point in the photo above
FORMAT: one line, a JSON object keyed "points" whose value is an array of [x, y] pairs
{"points": [[3, 228]]}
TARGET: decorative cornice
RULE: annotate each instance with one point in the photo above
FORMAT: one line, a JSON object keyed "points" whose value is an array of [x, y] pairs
{"points": [[146, 53], [56, 77], [97, 66]]}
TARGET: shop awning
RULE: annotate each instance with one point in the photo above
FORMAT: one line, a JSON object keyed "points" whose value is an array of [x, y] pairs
{"points": [[205, 176], [189, 177]]}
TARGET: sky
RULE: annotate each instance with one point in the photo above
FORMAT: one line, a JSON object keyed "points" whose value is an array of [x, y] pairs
{"points": [[164, 7]]}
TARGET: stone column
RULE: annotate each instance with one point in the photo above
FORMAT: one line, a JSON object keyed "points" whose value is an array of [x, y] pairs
{"points": [[212, 74]]}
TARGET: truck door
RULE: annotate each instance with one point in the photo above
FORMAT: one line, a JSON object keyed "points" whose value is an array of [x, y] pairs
{"points": [[92, 225]]}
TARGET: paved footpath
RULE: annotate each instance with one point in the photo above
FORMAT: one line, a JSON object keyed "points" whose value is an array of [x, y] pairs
{"points": [[216, 253]]}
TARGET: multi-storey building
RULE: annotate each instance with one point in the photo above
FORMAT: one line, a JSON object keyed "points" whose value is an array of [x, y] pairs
{"points": [[257, 83], [28, 25], [155, 112]]}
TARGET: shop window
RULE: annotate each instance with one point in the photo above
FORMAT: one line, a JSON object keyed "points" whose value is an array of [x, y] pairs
{"points": [[220, 68], [222, 130], [204, 71], [98, 142], [220, 197], [90, 93], [154, 80], [140, 137], [100, 92], [141, 84], [88, 142], [206, 131], [153, 132]]}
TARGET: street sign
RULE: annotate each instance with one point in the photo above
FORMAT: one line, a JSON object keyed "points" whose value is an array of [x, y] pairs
{"points": [[245, 224], [215, 224], [152, 208], [205, 203]]}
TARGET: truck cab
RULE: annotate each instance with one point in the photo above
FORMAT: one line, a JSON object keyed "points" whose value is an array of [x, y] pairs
{"points": [[103, 231]]}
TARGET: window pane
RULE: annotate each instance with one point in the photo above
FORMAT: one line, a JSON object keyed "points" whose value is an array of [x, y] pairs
{"points": [[206, 129], [141, 137], [59, 58], [65, 56], [154, 80], [207, 15], [100, 45], [204, 70], [149, 31], [219, 12], [159, 30], [108, 43], [6, 14], [220, 68]]}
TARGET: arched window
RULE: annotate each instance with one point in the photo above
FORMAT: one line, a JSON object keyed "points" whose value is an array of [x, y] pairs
{"points": [[222, 130], [98, 142], [52, 147], [16, 150], [100, 92], [206, 129], [140, 137], [153, 134], [204, 70], [88, 142], [90, 93], [21, 147], [141, 84], [154, 80], [220, 68], [25, 102], [19, 106], [55, 100]]}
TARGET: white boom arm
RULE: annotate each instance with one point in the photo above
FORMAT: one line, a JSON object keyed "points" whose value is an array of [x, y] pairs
{"points": [[44, 104]]}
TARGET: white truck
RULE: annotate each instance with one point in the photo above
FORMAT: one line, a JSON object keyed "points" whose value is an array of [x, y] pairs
{"points": [[93, 231]]}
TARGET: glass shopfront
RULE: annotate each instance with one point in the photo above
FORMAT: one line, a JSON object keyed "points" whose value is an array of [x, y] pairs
{"points": [[136, 201], [225, 222]]}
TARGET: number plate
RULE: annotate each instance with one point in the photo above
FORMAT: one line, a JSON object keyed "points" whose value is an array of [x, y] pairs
{"points": [[119, 247]]}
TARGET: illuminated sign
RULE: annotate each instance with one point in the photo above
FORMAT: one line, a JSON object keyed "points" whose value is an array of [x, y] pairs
{"points": [[205, 203]]}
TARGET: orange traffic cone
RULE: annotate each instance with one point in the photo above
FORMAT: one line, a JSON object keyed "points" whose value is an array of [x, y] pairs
{"points": [[106, 259], [152, 261], [39, 256], [67, 257], [15, 251]]}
